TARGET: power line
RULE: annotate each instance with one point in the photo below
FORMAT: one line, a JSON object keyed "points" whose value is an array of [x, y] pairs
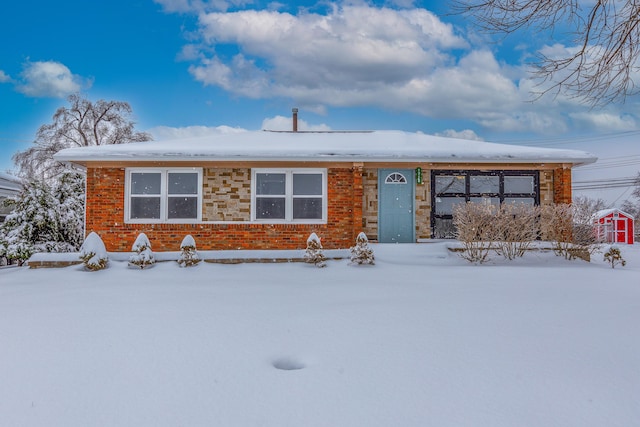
{"points": [[603, 186], [624, 179], [606, 183], [575, 140]]}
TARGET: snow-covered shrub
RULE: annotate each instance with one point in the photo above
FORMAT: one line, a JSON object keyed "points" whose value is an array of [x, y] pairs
{"points": [[568, 238], [44, 218], [475, 229], [69, 192], [143, 257], [361, 253], [189, 255], [314, 253], [93, 253], [516, 227], [614, 257]]}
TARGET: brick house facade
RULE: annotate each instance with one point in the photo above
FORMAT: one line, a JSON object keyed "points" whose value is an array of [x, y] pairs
{"points": [[237, 195]]}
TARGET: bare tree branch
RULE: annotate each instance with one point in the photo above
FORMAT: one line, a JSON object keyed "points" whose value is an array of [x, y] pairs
{"points": [[601, 66], [81, 124]]}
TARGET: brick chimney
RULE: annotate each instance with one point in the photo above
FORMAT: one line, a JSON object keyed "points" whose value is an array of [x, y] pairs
{"points": [[295, 119]]}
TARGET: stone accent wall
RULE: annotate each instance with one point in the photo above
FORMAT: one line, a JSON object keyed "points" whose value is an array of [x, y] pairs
{"points": [[370, 203], [226, 195], [546, 188], [105, 216], [423, 206]]}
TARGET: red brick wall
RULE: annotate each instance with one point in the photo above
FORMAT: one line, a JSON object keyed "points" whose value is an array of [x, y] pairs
{"points": [[562, 185], [105, 216]]}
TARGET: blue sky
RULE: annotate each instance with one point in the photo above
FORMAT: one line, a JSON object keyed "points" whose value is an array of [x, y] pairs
{"points": [[189, 66]]}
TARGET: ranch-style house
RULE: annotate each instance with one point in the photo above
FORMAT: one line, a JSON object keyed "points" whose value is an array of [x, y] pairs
{"points": [[271, 189]]}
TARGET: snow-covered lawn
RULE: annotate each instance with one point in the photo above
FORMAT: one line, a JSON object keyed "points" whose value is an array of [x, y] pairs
{"points": [[422, 338]]}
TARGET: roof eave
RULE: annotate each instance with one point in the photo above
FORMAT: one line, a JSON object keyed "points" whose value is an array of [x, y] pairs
{"points": [[84, 160]]}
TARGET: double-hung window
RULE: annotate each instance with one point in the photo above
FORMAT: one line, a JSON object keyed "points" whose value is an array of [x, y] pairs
{"points": [[289, 195], [164, 195]]}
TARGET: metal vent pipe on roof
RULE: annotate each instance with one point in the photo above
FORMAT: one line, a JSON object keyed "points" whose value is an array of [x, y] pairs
{"points": [[295, 119]]}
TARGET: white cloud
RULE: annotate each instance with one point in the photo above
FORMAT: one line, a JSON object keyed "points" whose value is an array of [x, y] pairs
{"points": [[354, 47], [283, 123], [403, 3], [49, 79], [361, 55], [604, 121], [198, 6], [4, 78], [161, 133], [461, 134], [279, 123]]}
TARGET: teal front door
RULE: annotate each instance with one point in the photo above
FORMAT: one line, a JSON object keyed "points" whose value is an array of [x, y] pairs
{"points": [[396, 215]]}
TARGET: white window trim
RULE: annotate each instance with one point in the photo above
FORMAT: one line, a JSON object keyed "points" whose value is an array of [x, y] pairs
{"points": [[163, 197], [289, 195]]}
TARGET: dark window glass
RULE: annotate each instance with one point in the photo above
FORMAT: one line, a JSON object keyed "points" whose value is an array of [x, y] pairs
{"points": [[183, 183], [450, 184], [145, 183], [270, 183], [270, 207], [529, 201], [483, 184], [145, 208], [307, 184], [495, 201], [519, 184], [307, 208], [445, 205], [182, 207], [444, 229]]}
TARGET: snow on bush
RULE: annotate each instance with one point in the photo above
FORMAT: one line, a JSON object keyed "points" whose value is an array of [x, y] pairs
{"points": [[44, 218], [189, 255], [614, 257], [361, 253], [143, 257], [93, 253], [314, 253]]}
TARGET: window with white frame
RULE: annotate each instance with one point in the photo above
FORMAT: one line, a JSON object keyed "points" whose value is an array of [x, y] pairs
{"points": [[289, 195], [164, 195]]}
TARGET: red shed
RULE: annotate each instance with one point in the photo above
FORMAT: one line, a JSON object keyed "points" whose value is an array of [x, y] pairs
{"points": [[614, 226]]}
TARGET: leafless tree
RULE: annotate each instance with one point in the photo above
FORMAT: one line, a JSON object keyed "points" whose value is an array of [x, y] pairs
{"points": [[81, 124], [599, 68], [584, 208]]}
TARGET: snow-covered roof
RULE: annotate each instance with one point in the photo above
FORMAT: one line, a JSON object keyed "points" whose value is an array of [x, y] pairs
{"points": [[364, 146], [9, 185], [606, 212]]}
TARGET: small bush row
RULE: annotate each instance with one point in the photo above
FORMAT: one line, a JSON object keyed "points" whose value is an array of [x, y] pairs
{"points": [[510, 229], [94, 254]]}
